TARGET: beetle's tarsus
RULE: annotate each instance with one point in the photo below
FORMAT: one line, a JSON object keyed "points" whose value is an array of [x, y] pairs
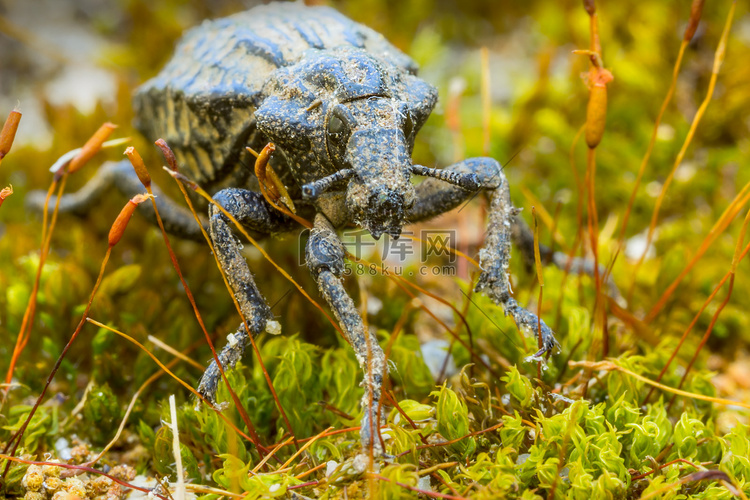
{"points": [[229, 355]]}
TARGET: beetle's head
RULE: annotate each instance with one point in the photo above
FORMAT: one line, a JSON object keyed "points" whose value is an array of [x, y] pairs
{"points": [[345, 110]]}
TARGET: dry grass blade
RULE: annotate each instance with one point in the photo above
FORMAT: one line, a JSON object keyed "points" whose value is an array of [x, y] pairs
{"points": [[610, 366], [547, 219], [718, 59], [271, 454], [174, 352], [306, 446], [115, 233], [179, 493]]}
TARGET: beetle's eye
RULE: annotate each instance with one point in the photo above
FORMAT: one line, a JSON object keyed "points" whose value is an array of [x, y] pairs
{"points": [[408, 126], [338, 132], [335, 125], [338, 126]]}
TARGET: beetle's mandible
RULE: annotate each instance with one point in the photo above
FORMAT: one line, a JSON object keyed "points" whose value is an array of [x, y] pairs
{"points": [[343, 107]]}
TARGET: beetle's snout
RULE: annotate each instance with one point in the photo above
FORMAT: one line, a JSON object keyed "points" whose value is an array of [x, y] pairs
{"points": [[387, 209], [380, 193], [380, 209]]}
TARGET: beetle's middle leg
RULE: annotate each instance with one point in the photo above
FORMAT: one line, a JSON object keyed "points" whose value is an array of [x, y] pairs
{"points": [[254, 213], [176, 218], [325, 260]]}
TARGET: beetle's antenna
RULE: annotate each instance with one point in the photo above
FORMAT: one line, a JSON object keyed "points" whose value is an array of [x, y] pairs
{"points": [[465, 180], [315, 189]]}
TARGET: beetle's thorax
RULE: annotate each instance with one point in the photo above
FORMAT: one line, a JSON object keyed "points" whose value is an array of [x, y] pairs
{"points": [[346, 109]]}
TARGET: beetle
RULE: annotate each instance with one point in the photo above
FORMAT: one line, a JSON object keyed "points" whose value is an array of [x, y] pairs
{"points": [[343, 107]]}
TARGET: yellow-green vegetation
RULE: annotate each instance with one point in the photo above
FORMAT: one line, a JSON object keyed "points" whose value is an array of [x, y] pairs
{"points": [[499, 425]]}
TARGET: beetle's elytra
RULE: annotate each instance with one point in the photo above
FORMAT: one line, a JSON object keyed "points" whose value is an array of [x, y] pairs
{"points": [[343, 107]]}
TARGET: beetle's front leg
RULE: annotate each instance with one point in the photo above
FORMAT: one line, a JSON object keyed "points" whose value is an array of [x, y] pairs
{"points": [[494, 260], [325, 260], [250, 210], [435, 197]]}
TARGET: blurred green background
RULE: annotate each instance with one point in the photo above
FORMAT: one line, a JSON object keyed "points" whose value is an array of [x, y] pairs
{"points": [[73, 65]]}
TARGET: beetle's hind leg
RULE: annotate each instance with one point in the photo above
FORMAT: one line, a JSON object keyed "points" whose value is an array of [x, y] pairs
{"points": [[254, 213], [177, 219], [325, 260]]}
